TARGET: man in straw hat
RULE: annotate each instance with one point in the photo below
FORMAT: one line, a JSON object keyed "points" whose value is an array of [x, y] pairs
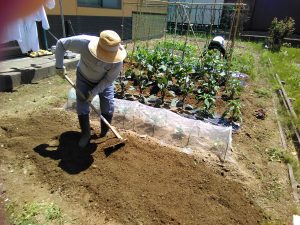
{"points": [[100, 64]]}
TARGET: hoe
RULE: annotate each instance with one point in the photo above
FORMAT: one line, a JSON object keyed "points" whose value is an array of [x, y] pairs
{"points": [[116, 133]]}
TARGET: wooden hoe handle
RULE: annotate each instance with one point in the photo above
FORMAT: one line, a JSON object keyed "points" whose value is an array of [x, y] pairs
{"points": [[96, 111]]}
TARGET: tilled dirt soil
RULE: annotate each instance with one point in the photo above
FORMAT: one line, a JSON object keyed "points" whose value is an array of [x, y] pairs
{"points": [[138, 183], [141, 182]]}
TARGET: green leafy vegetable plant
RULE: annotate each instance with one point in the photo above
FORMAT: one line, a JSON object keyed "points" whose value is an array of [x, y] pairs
{"points": [[234, 110], [233, 88]]}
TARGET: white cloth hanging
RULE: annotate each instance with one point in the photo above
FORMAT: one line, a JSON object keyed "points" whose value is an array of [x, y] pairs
{"points": [[29, 35], [41, 16], [11, 32], [24, 31]]}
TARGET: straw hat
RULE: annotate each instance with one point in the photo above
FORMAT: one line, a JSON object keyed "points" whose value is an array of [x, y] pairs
{"points": [[107, 47]]}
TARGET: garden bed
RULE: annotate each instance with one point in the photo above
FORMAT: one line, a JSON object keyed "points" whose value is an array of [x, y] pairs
{"points": [[173, 75], [134, 184], [141, 182]]}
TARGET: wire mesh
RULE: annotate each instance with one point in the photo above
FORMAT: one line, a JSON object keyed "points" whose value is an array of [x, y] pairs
{"points": [[204, 19]]}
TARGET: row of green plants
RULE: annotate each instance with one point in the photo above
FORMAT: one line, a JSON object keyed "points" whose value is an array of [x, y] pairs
{"points": [[175, 68]]}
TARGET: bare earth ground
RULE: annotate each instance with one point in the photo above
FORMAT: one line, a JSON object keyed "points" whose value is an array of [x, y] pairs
{"points": [[141, 182]]}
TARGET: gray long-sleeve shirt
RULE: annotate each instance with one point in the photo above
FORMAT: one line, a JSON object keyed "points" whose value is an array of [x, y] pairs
{"points": [[93, 69]]}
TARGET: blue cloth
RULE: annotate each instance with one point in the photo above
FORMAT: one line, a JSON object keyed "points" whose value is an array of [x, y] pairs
{"points": [[106, 98]]}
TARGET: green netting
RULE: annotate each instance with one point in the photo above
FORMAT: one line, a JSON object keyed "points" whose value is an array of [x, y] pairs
{"points": [[148, 25]]}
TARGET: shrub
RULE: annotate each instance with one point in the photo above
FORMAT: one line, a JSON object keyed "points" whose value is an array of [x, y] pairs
{"points": [[279, 30]]}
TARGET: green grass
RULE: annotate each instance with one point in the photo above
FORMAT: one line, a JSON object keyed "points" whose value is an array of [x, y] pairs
{"points": [[265, 64], [262, 92], [289, 159], [35, 213], [286, 64], [274, 154], [244, 62], [278, 155]]}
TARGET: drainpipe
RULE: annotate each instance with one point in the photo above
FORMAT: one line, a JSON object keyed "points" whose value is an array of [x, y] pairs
{"points": [[68, 54], [45, 39], [62, 18]]}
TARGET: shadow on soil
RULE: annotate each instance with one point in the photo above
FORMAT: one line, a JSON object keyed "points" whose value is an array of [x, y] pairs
{"points": [[73, 160]]}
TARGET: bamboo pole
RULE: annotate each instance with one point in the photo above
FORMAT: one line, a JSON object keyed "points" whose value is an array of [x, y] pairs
{"points": [[212, 19], [175, 29], [148, 33], [187, 32], [122, 25], [166, 24], [237, 20], [62, 18], [139, 8], [189, 22]]}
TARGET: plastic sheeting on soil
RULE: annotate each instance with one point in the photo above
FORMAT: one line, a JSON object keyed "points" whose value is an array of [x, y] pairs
{"points": [[192, 136]]}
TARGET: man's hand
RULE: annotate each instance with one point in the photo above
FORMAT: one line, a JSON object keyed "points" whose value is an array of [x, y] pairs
{"points": [[61, 72], [89, 97]]}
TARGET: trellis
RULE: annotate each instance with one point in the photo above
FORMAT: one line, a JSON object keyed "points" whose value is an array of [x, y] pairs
{"points": [[173, 19]]}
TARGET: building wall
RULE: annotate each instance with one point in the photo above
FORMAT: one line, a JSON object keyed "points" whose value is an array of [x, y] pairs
{"points": [[70, 8], [128, 6], [264, 11], [91, 25], [89, 20]]}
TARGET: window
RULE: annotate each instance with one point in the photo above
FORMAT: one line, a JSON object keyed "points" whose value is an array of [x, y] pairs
{"points": [[110, 4], [88, 3]]}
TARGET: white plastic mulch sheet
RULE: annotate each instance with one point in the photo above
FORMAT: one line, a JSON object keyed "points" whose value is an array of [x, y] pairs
{"points": [[192, 136]]}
